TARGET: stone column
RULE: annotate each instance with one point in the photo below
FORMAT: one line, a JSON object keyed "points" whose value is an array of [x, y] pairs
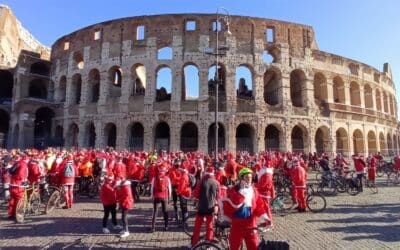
{"points": [[203, 136], [347, 94], [126, 90], [176, 88], [329, 89], [100, 142], [231, 104], [148, 135], [82, 135], [203, 91]]}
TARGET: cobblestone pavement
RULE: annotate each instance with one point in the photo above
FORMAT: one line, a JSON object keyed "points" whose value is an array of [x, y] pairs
{"points": [[365, 221]]}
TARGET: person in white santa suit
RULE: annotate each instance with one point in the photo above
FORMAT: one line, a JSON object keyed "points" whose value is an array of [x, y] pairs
{"points": [[244, 207]]}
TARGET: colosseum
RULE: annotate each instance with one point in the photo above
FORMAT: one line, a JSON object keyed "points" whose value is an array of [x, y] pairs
{"points": [[151, 82]]}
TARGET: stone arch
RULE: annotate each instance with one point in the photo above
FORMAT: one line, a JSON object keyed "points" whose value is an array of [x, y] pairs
{"points": [[40, 68], [322, 140], [42, 130], [76, 87], [298, 138], [271, 54], [15, 138], [245, 135], [368, 100], [110, 134], [342, 142], [355, 99], [37, 89], [385, 102], [378, 100], [7, 84], [59, 136], [320, 88], [115, 81], [389, 144], [211, 137], [190, 82], [4, 127], [72, 136], [272, 137], [372, 149], [358, 142], [272, 86], [138, 78], [338, 90], [297, 88], [162, 136], [90, 135], [382, 144], [189, 137], [244, 82], [220, 78], [136, 137], [78, 60], [163, 83], [62, 89], [94, 86]]}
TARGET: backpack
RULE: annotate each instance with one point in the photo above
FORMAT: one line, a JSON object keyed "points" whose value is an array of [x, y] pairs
{"points": [[160, 184], [69, 170], [13, 169], [192, 181]]}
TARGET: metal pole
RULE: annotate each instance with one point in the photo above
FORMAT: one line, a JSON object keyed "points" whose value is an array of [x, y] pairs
{"points": [[216, 81]]}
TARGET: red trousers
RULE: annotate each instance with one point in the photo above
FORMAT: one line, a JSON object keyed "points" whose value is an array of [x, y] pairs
{"points": [[69, 195], [299, 196], [197, 227], [371, 174], [16, 194], [241, 232]]}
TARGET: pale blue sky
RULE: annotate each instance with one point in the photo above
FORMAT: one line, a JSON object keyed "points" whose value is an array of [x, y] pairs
{"points": [[363, 30]]}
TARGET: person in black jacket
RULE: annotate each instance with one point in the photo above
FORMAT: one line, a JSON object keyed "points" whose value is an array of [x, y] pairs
{"points": [[206, 192]]}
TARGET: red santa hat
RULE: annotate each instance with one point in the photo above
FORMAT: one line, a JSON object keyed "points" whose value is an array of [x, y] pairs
{"points": [[210, 170]]}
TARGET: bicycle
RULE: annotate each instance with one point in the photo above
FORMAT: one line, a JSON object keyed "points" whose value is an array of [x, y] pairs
{"points": [[30, 203], [56, 200], [393, 177], [315, 201], [282, 203]]}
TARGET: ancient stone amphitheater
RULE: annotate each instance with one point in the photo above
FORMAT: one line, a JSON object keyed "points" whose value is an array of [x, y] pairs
{"points": [[149, 82]]}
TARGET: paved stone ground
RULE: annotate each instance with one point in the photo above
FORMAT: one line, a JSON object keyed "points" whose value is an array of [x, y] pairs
{"points": [[365, 221]]}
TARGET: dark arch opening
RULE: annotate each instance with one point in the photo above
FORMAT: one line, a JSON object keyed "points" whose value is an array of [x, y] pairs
{"points": [[4, 127], [211, 137], [271, 138], [161, 140], [43, 121], [244, 138], [111, 135], [37, 89], [297, 139], [40, 69], [189, 137], [6, 86], [137, 137]]}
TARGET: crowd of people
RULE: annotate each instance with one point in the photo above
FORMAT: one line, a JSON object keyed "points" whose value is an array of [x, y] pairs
{"points": [[238, 187]]}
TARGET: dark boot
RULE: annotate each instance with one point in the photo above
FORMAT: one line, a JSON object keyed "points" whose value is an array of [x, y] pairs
{"points": [[166, 221]]}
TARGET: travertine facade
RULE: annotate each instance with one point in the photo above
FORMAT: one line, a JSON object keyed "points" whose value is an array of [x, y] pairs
{"points": [[104, 88]]}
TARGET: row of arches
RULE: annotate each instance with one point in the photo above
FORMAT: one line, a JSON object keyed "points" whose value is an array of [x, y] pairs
{"points": [[244, 84], [245, 136]]}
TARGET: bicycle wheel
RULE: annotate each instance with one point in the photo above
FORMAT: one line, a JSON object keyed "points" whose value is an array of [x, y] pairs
{"points": [[316, 203], [207, 246], [341, 184], [282, 203], [328, 187], [35, 202], [20, 211], [352, 187], [53, 202], [372, 188], [394, 178]]}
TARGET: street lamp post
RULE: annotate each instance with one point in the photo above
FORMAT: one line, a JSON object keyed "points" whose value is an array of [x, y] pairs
{"points": [[217, 79]]}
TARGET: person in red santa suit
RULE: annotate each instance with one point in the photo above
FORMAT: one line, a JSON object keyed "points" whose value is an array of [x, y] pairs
{"points": [[125, 201], [184, 191], [68, 180], [175, 176], [372, 164], [109, 199], [265, 187], [34, 171], [17, 184], [243, 208], [207, 193], [119, 169], [298, 176], [161, 192], [359, 165]]}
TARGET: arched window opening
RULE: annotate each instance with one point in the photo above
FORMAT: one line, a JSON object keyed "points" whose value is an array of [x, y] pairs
{"points": [[190, 83], [297, 86], [110, 132], [355, 99], [244, 83], [139, 79], [271, 87], [115, 79], [368, 97], [37, 89], [320, 89], [164, 84], [372, 149], [214, 79], [94, 86], [385, 103], [90, 135], [358, 142], [78, 59], [342, 145], [382, 144], [338, 90], [322, 142], [62, 89], [211, 138], [378, 100], [390, 145], [165, 54], [4, 127], [297, 139], [76, 89]]}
